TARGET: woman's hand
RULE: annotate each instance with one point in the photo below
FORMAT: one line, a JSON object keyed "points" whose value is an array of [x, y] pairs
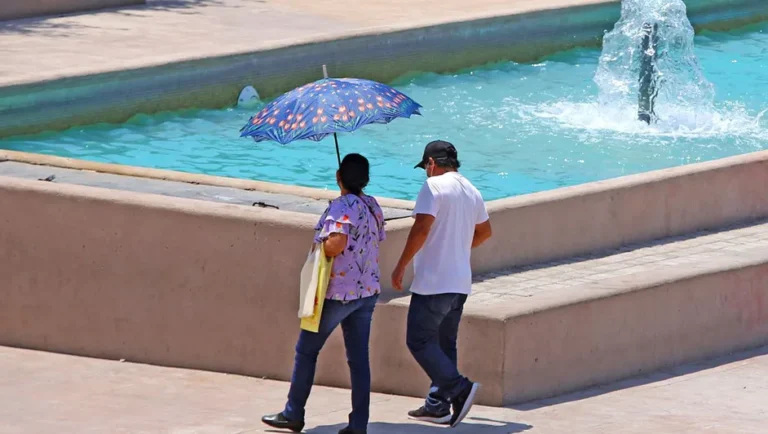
{"points": [[335, 245]]}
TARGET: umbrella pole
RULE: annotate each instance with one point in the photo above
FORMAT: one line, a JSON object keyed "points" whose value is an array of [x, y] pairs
{"points": [[335, 137], [338, 154]]}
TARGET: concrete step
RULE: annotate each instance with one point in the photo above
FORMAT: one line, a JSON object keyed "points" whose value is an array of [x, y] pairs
{"points": [[175, 282], [539, 331]]}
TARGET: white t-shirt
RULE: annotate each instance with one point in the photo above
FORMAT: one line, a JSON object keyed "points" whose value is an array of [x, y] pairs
{"points": [[442, 265]]}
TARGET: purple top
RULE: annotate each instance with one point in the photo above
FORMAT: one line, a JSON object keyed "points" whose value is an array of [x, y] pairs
{"points": [[355, 272]]}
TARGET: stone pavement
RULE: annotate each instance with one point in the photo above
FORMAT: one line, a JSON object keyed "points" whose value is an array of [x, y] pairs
{"points": [[51, 393], [166, 31], [512, 285]]}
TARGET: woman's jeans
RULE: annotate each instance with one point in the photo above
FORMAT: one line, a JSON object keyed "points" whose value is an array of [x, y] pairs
{"points": [[355, 319]]}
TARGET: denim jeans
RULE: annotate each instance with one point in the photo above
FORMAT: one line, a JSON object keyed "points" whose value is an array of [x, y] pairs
{"points": [[433, 328], [355, 319]]}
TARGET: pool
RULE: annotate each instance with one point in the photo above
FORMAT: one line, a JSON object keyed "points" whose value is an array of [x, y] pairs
{"points": [[519, 128]]}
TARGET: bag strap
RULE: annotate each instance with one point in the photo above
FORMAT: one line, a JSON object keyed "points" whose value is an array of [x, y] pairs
{"points": [[373, 214]]}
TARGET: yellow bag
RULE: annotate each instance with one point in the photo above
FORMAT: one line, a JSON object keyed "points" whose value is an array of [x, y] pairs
{"points": [[312, 323]]}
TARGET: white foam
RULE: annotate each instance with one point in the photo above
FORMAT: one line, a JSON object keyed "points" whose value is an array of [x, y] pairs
{"points": [[730, 119]]}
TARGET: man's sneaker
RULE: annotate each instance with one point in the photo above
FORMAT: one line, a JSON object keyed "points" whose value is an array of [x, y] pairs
{"points": [[463, 403], [425, 415]]}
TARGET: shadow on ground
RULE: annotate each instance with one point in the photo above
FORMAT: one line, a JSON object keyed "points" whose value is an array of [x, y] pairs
{"points": [[469, 426], [54, 25], [657, 376]]}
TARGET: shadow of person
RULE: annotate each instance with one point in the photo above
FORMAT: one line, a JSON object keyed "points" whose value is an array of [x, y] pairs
{"points": [[471, 425]]}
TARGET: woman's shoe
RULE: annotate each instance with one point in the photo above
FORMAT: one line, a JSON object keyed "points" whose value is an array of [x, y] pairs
{"points": [[279, 421]]}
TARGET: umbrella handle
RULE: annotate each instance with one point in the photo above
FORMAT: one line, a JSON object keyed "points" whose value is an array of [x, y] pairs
{"points": [[338, 154]]}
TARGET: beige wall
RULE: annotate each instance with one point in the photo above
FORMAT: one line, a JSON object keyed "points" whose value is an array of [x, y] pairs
{"points": [[635, 325], [161, 280], [607, 214], [15, 9], [204, 285]]}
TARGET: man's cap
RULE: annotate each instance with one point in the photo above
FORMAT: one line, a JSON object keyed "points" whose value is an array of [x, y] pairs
{"points": [[438, 150]]}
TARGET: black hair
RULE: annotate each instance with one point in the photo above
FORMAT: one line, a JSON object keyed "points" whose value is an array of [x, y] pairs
{"points": [[354, 173], [447, 163]]}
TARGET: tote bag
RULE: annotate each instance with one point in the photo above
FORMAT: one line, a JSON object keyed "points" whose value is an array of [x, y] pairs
{"points": [[323, 267], [308, 282]]}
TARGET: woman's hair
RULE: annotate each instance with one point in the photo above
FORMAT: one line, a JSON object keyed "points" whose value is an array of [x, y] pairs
{"points": [[354, 173]]}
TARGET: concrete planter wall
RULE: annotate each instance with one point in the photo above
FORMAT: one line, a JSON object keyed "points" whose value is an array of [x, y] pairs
{"points": [[205, 285]]}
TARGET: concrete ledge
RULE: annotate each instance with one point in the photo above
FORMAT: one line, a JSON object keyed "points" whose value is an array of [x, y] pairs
{"points": [[16, 9], [636, 324], [559, 223], [607, 214], [210, 286], [588, 335], [191, 178]]}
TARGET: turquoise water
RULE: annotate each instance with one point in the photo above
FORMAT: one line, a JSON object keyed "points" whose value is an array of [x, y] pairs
{"points": [[519, 128]]}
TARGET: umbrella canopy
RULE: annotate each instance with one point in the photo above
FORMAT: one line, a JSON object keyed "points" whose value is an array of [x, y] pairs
{"points": [[328, 106]]}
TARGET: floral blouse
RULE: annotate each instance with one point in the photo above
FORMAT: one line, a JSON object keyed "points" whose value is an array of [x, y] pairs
{"points": [[355, 272]]}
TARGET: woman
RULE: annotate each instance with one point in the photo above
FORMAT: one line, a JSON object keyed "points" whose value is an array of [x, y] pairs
{"points": [[350, 229]]}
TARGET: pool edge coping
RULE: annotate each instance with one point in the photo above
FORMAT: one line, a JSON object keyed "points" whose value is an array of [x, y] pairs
{"points": [[518, 201]]}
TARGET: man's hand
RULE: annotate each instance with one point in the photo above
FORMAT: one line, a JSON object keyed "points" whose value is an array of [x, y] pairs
{"points": [[397, 278]]}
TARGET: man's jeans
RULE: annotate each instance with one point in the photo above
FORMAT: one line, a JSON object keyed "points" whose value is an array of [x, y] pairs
{"points": [[355, 319], [433, 327]]}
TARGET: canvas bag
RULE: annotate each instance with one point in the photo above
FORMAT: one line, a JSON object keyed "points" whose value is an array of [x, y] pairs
{"points": [[308, 282], [323, 266]]}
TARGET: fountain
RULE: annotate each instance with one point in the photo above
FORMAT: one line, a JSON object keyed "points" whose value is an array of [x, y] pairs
{"points": [[647, 80], [648, 61]]}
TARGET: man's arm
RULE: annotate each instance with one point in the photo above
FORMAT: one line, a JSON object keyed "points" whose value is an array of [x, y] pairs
{"points": [[416, 239], [483, 232], [425, 211]]}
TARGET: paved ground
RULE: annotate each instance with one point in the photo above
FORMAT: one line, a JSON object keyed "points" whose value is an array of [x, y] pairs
{"points": [[164, 31], [50, 393]]}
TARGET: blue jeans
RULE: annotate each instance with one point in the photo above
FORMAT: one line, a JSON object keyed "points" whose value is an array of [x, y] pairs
{"points": [[433, 328], [355, 319]]}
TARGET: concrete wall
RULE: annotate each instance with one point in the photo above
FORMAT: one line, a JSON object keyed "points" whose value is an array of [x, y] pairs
{"points": [[560, 223], [178, 282], [607, 214], [16, 9], [214, 83], [634, 325]]}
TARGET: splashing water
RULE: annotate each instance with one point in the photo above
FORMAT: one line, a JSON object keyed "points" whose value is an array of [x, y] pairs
{"points": [[685, 101], [679, 79]]}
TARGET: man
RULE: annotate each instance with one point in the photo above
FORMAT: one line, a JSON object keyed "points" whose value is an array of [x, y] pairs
{"points": [[450, 220]]}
